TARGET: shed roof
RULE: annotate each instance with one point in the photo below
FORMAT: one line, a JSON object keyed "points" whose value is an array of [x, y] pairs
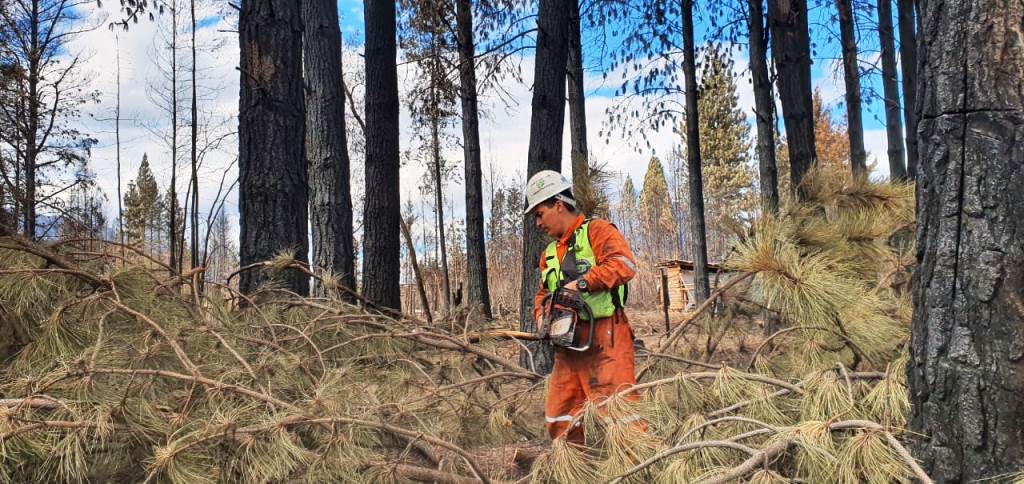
{"points": [[686, 265]]}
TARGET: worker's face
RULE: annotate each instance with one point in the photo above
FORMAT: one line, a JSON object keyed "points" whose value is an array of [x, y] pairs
{"points": [[553, 219]]}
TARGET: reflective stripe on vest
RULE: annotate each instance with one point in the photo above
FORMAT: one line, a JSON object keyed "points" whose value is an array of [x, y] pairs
{"points": [[602, 303]]}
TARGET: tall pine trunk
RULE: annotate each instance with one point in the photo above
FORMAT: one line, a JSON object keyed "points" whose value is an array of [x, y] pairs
{"points": [[381, 268], [194, 252], [476, 251], [791, 49], [891, 92], [698, 239], [442, 243], [764, 108], [172, 209], [851, 74], [908, 61], [32, 126], [547, 122], [330, 201], [272, 195], [584, 191], [117, 141], [967, 345]]}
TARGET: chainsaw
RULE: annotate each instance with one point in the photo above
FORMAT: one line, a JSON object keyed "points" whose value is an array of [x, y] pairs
{"points": [[565, 312]]}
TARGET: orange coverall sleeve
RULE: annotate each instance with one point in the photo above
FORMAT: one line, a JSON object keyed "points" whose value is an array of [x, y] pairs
{"points": [[616, 264]]}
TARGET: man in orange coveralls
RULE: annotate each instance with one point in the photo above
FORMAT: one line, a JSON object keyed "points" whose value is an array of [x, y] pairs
{"points": [[601, 267]]}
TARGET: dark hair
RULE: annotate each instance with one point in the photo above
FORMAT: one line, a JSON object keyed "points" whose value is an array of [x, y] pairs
{"points": [[565, 193]]}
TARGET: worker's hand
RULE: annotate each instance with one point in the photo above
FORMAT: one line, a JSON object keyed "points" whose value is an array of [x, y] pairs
{"points": [[572, 286]]}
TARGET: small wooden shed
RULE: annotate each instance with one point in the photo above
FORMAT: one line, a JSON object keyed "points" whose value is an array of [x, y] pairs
{"points": [[678, 276]]}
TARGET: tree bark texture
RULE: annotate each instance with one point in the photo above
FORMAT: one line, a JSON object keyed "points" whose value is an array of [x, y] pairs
{"points": [[791, 50], [851, 74], [578, 114], [908, 61], [272, 194], [547, 122], [330, 204], [382, 211], [764, 108], [966, 369], [890, 90], [698, 239], [476, 252], [32, 125]]}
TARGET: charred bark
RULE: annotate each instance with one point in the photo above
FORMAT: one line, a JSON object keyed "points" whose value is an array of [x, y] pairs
{"points": [[764, 108], [698, 236], [330, 204], [578, 114], [908, 61], [272, 194], [547, 122], [967, 346], [476, 252], [891, 91], [791, 49], [381, 214], [851, 75], [32, 126]]}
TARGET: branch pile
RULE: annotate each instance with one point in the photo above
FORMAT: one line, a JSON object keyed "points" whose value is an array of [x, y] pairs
{"points": [[126, 376]]}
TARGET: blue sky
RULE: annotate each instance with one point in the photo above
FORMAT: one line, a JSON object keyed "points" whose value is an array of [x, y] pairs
{"points": [[827, 53], [504, 127]]}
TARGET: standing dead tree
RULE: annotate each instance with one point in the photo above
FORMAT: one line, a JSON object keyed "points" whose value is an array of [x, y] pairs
{"points": [[965, 354]]}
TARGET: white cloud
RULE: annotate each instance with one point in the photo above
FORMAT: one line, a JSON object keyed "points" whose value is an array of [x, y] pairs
{"points": [[142, 120], [504, 130]]}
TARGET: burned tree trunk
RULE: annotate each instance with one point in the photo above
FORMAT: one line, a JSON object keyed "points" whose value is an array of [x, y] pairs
{"points": [[764, 108], [330, 204], [272, 195], [851, 74], [547, 121], [578, 115], [890, 89], [381, 214], [967, 346], [476, 253], [791, 49], [698, 238], [908, 61]]}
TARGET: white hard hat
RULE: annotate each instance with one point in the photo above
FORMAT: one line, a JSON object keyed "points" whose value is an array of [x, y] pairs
{"points": [[545, 185]]}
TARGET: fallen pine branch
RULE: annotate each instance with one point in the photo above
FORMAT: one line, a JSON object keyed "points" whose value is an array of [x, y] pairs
{"points": [[760, 458]]}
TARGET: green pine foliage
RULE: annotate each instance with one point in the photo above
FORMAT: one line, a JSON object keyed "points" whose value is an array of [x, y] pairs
{"points": [[143, 208], [725, 147], [656, 217]]}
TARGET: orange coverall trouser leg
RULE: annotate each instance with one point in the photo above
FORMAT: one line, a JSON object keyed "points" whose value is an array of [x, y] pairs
{"points": [[607, 367]]}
